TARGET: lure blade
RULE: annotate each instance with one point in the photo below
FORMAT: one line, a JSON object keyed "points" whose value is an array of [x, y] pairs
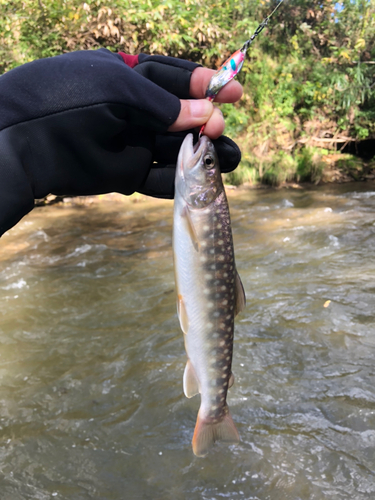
{"points": [[227, 71]]}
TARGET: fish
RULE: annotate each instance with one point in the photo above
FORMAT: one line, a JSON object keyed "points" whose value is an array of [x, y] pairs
{"points": [[209, 290]]}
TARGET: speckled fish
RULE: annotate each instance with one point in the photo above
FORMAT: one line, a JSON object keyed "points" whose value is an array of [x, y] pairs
{"points": [[209, 290]]}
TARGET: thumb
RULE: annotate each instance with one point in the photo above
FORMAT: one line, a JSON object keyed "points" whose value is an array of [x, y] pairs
{"points": [[194, 113]]}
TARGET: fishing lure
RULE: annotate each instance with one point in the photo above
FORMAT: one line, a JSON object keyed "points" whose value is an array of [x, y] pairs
{"points": [[233, 65]]}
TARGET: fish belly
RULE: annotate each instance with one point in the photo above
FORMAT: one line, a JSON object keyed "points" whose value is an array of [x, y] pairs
{"points": [[205, 276]]}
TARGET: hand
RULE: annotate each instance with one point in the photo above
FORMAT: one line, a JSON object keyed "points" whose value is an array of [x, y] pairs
{"points": [[171, 75], [88, 122], [195, 113]]}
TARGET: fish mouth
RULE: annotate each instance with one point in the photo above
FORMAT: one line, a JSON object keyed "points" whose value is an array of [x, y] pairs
{"points": [[190, 153]]}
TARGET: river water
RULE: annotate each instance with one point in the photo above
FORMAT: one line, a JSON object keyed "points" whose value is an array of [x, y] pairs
{"points": [[92, 356]]}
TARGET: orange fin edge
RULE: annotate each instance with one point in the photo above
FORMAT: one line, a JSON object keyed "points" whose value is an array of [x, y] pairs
{"points": [[207, 433]]}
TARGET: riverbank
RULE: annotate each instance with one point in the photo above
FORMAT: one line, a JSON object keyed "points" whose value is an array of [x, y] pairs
{"points": [[311, 165], [338, 169]]}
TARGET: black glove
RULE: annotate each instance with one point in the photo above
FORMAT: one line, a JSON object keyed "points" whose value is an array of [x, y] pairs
{"points": [[86, 123]]}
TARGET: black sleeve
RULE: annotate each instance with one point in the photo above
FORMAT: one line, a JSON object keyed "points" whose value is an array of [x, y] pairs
{"points": [[82, 123]]}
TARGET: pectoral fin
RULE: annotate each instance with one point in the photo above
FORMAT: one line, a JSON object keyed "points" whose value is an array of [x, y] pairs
{"points": [[191, 384], [182, 314], [240, 298], [191, 229]]}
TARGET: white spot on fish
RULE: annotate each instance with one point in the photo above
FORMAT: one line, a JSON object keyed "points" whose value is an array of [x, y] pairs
{"points": [[209, 325], [203, 258], [221, 257], [203, 244], [221, 343], [228, 317], [206, 291], [212, 250], [226, 351], [216, 314], [225, 275], [225, 302], [223, 288], [210, 304], [208, 276], [206, 228], [220, 242]]}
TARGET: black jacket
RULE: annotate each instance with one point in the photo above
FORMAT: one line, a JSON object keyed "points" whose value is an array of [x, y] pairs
{"points": [[87, 123]]}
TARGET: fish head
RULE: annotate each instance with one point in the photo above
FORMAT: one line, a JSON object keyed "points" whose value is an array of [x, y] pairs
{"points": [[198, 177]]}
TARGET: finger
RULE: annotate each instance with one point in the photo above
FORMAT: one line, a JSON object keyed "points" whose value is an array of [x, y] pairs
{"points": [[200, 79], [215, 125], [194, 113]]}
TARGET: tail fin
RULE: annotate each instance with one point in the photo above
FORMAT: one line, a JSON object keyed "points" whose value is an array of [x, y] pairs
{"points": [[206, 433]]}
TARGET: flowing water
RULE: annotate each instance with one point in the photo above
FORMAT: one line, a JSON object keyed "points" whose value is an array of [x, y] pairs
{"points": [[92, 356]]}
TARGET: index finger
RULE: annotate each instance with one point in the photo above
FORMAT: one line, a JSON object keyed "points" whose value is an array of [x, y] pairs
{"points": [[200, 79]]}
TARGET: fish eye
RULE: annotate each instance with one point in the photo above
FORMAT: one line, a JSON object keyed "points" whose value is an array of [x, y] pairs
{"points": [[209, 162]]}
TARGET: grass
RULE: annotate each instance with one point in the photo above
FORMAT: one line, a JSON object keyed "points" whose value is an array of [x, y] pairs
{"points": [[306, 165]]}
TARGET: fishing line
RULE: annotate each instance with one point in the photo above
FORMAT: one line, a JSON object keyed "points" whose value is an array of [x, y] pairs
{"points": [[260, 28], [232, 66]]}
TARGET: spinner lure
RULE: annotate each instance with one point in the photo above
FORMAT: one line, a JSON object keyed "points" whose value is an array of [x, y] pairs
{"points": [[233, 65]]}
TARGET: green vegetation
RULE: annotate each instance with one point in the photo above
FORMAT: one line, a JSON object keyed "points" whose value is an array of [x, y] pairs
{"points": [[309, 79]]}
